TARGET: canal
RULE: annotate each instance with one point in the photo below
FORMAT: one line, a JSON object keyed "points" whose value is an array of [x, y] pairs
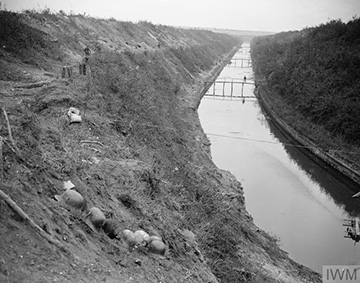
{"points": [[292, 195]]}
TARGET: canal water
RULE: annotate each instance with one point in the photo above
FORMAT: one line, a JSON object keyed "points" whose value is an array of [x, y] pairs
{"points": [[292, 195]]}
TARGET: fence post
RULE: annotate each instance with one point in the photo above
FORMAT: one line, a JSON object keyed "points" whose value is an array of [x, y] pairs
{"points": [[82, 69], [66, 72]]}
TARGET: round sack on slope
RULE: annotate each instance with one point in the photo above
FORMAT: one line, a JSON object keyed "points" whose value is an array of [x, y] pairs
{"points": [[128, 238], [71, 198], [97, 217], [157, 247], [154, 237], [141, 238]]}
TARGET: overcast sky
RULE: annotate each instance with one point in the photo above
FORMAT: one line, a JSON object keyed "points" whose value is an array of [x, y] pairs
{"points": [[260, 15]]}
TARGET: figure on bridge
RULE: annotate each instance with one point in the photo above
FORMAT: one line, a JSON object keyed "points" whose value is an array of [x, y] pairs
{"points": [[244, 78]]}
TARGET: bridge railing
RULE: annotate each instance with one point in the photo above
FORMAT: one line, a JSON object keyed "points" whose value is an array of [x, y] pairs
{"points": [[229, 88], [240, 63]]}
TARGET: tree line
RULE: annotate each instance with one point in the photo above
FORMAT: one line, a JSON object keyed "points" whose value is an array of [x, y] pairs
{"points": [[316, 72]]}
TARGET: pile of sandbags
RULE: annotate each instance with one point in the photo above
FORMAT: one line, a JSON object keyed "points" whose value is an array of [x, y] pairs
{"points": [[140, 238], [131, 240]]}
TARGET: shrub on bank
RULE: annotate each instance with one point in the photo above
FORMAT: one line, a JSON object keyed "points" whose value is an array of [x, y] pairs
{"points": [[311, 78], [315, 71]]}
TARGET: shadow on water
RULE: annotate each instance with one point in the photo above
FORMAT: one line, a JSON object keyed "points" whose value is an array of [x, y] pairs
{"points": [[290, 192], [331, 181]]}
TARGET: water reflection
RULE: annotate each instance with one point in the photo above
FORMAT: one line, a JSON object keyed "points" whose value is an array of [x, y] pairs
{"points": [[330, 181], [291, 195]]}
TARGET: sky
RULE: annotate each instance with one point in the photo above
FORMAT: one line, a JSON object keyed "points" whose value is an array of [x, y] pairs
{"points": [[256, 15]]}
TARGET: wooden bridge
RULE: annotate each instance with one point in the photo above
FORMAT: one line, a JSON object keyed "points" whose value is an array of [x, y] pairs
{"points": [[240, 63], [229, 89]]}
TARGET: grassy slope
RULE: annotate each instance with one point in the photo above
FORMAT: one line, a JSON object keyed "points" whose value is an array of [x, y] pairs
{"points": [[147, 165], [312, 79]]}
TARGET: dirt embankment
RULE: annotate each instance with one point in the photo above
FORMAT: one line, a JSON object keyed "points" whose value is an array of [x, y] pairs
{"points": [[321, 113], [139, 154], [337, 163]]}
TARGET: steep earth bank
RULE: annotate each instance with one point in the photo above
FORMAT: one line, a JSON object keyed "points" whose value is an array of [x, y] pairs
{"points": [[310, 79], [139, 154]]}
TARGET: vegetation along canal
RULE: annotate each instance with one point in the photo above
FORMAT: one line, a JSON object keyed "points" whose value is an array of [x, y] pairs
{"points": [[294, 196]]}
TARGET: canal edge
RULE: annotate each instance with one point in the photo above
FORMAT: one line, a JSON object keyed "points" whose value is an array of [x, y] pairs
{"points": [[333, 161], [206, 84]]}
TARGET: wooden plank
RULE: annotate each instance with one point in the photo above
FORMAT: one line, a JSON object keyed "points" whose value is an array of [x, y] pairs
{"points": [[234, 96], [356, 195], [235, 82]]}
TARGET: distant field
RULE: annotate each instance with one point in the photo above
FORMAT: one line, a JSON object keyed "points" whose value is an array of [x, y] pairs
{"points": [[235, 32]]}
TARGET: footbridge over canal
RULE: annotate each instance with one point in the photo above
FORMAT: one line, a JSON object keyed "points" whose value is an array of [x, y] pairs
{"points": [[240, 63], [283, 183], [229, 88]]}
